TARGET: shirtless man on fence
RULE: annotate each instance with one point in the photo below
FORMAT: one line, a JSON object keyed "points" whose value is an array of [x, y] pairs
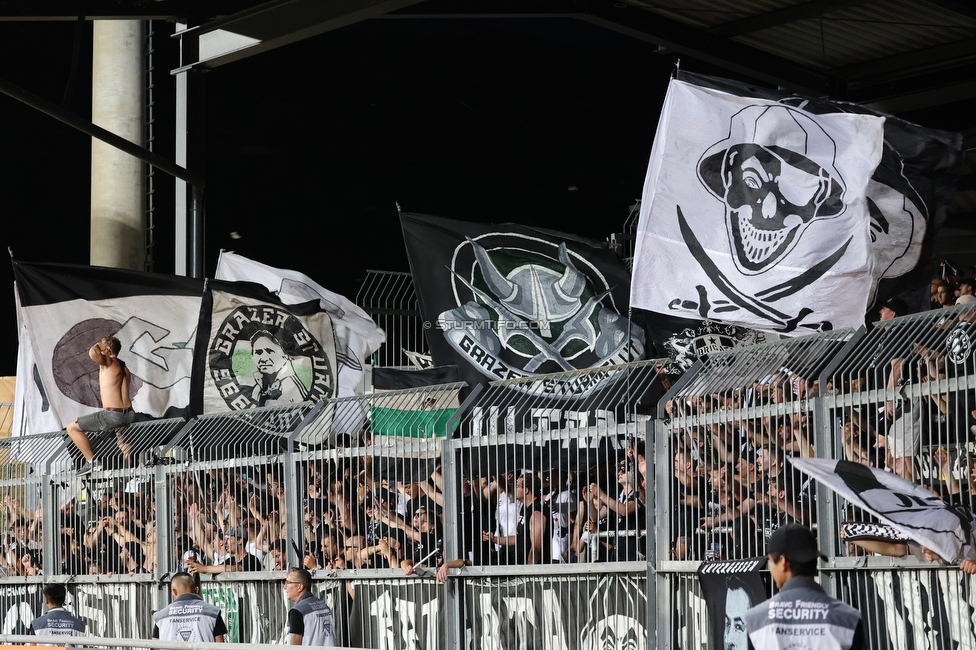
{"points": [[113, 385]]}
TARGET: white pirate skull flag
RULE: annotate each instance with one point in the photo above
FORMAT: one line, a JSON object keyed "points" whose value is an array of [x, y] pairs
{"points": [[252, 350], [64, 309], [503, 301], [754, 213]]}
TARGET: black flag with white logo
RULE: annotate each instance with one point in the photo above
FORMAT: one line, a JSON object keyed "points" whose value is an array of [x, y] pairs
{"points": [[504, 301]]}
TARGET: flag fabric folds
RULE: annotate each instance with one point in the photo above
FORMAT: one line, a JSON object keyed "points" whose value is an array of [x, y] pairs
{"points": [[414, 403], [909, 508], [356, 335], [503, 301], [252, 350], [64, 309], [754, 213]]}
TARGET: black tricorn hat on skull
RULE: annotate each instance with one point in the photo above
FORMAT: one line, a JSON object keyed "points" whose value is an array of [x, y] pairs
{"points": [[789, 133]]}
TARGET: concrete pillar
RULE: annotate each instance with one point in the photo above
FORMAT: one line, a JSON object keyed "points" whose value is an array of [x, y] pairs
{"points": [[117, 179]]}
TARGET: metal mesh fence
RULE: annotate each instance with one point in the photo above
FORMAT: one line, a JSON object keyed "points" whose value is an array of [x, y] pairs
{"points": [[6, 418], [731, 427], [903, 399], [543, 478], [390, 300], [529, 514]]}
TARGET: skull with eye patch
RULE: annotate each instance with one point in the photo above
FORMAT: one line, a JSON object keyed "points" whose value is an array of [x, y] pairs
{"points": [[775, 173]]}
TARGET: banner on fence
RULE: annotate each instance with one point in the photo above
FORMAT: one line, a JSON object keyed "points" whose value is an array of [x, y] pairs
{"points": [[421, 413], [395, 614], [607, 611], [225, 598], [730, 589]]}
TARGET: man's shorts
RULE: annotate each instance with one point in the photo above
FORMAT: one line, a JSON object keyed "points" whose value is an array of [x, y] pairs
{"points": [[105, 420]]}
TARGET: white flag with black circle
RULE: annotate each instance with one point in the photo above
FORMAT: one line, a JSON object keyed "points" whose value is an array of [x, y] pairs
{"points": [[754, 213], [909, 508], [63, 309]]}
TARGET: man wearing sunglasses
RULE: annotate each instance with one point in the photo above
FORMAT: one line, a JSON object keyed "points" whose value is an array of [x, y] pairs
{"points": [[310, 621]]}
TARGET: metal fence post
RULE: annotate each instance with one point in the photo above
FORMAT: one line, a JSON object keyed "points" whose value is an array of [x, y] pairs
{"points": [[663, 615], [825, 443], [294, 513], [653, 561], [164, 545], [51, 516], [450, 594]]}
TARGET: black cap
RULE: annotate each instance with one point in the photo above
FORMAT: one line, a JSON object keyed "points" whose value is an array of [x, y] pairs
{"points": [[897, 305], [967, 281], [796, 542]]}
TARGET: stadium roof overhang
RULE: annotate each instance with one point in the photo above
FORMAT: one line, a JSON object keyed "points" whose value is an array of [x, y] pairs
{"points": [[904, 57], [897, 56]]}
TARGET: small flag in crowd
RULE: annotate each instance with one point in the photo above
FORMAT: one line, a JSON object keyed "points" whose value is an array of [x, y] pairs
{"points": [[909, 508]]}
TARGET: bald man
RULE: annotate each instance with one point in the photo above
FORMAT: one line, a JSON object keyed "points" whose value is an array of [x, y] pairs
{"points": [[188, 618]]}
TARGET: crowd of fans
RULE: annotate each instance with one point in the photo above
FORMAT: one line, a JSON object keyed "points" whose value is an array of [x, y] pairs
{"points": [[733, 480], [357, 512]]}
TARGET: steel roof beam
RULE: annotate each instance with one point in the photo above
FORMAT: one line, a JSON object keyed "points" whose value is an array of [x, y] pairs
{"points": [[908, 64], [66, 10], [962, 7], [916, 100], [671, 35], [765, 20], [271, 25]]}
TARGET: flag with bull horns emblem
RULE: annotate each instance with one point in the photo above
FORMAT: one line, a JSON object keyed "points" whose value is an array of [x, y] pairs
{"points": [[503, 301], [754, 213]]}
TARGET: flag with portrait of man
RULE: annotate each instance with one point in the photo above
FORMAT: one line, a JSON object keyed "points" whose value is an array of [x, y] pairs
{"points": [[254, 351]]}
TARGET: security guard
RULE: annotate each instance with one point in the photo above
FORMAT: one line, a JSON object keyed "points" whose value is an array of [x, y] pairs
{"points": [[310, 621], [57, 622], [801, 615], [188, 617]]}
